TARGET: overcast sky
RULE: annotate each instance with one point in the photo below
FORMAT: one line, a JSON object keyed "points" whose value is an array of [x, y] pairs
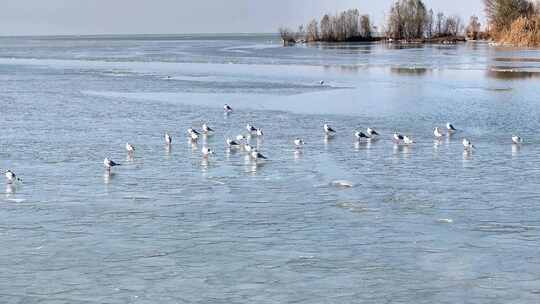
{"points": [[52, 17]]}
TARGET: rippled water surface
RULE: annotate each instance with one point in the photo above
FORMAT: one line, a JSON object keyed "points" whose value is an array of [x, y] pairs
{"points": [[426, 223]]}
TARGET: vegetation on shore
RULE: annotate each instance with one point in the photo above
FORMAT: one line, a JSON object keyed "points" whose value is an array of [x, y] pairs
{"points": [[514, 22], [409, 21]]}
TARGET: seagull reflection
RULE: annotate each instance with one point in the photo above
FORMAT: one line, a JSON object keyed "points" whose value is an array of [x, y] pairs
{"points": [[108, 176], [10, 190], [515, 150], [467, 155], [298, 154], [129, 157]]}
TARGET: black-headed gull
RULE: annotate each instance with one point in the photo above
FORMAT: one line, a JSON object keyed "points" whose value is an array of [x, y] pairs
{"points": [[517, 139], [206, 151], [408, 140], [257, 155], [206, 129], [398, 138], [11, 177], [241, 138], [328, 130], [109, 164], [130, 148], [193, 131], [360, 135], [467, 145], [194, 137], [251, 129], [227, 108], [168, 139], [259, 132], [321, 82], [248, 147], [299, 143], [231, 143], [371, 132], [450, 128], [437, 133]]}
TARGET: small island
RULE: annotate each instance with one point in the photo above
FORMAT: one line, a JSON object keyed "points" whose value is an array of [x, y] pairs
{"points": [[510, 22]]}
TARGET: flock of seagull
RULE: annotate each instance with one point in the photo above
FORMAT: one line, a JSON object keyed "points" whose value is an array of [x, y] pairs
{"points": [[241, 141]]}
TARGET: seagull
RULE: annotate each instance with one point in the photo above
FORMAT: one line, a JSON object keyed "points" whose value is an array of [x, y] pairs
{"points": [[232, 143], [360, 135], [517, 139], [130, 148], [206, 151], [109, 164], [251, 128], [371, 132], [227, 108], [408, 140], [192, 131], [194, 137], [398, 137], [450, 128], [437, 132], [299, 143], [321, 82], [467, 144], [257, 155], [248, 148], [241, 137], [260, 132], [11, 177], [328, 130], [206, 129], [168, 139]]}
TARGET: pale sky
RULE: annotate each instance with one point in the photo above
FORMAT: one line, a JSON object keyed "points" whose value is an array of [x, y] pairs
{"points": [[54, 17]]}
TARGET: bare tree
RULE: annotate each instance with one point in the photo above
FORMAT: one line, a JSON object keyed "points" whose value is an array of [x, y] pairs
{"points": [[473, 29], [501, 13], [407, 19], [326, 28], [365, 27], [287, 36], [312, 31], [429, 24], [440, 24]]}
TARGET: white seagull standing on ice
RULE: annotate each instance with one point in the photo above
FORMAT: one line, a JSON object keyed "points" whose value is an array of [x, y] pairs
{"points": [[360, 135], [328, 130], [259, 132], [130, 148], [450, 128], [408, 140], [168, 139], [231, 143], [251, 129], [206, 129], [437, 132], [467, 144], [11, 177], [109, 164], [299, 143], [321, 82], [371, 132], [517, 139], [206, 151], [192, 131], [257, 155], [227, 108]]}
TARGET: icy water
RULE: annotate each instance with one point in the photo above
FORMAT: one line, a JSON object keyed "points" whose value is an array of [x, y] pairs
{"points": [[421, 224]]}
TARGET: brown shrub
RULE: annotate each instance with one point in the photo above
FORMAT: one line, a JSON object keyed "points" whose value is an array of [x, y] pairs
{"points": [[524, 32]]}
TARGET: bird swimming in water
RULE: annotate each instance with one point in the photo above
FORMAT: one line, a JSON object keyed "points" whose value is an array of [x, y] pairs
{"points": [[328, 130], [206, 151], [467, 144], [450, 128], [298, 143], [371, 132], [130, 148], [257, 155], [168, 139], [109, 164], [11, 177], [227, 108], [360, 135], [259, 132], [437, 132], [517, 139], [398, 138], [206, 129]]}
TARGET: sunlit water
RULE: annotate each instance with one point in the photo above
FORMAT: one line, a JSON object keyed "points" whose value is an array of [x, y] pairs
{"points": [[421, 224]]}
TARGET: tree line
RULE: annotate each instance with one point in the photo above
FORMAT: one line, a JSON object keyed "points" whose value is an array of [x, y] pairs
{"points": [[514, 22]]}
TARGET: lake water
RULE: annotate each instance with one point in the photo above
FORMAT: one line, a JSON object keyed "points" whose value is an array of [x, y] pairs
{"points": [[421, 224]]}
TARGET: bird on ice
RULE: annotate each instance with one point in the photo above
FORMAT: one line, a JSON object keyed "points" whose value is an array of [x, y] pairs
{"points": [[321, 82], [371, 132], [328, 130], [206, 129], [109, 164], [450, 128], [361, 135], [227, 108], [257, 155], [259, 132], [168, 139], [206, 151], [194, 137], [193, 131], [437, 132], [467, 145], [11, 177], [517, 139], [251, 129], [130, 148], [298, 143]]}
